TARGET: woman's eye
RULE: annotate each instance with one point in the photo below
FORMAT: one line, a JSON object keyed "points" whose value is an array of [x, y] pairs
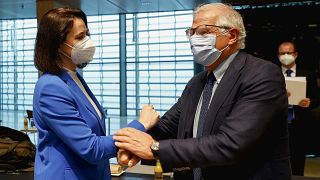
{"points": [[80, 37]]}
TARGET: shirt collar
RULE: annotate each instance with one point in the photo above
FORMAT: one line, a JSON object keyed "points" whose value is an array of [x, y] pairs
{"points": [[293, 68], [72, 73], [221, 69]]}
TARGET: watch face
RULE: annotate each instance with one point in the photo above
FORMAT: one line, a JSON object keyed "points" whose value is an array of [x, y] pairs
{"points": [[155, 146]]}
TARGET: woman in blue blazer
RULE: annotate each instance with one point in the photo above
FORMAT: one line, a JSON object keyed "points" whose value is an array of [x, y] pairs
{"points": [[72, 142]]}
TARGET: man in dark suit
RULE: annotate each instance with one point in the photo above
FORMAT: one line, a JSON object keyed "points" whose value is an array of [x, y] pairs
{"points": [[230, 121], [299, 116]]}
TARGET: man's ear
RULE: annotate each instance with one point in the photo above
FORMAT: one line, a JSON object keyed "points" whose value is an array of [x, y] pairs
{"points": [[296, 54], [234, 34]]}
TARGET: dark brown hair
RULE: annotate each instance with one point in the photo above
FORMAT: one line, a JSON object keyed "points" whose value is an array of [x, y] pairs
{"points": [[53, 29]]}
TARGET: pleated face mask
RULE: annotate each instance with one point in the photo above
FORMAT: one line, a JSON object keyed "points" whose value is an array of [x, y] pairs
{"points": [[204, 50]]}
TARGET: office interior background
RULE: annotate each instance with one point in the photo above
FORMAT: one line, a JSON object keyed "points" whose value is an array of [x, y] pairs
{"points": [[142, 55]]}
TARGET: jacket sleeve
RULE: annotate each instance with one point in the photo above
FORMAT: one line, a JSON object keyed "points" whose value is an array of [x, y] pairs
{"points": [[313, 90], [60, 114]]}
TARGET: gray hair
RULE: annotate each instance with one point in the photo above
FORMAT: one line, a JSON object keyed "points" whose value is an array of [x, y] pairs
{"points": [[229, 17]]}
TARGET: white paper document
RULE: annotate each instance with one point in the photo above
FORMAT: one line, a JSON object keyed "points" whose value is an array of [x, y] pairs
{"points": [[297, 87]]}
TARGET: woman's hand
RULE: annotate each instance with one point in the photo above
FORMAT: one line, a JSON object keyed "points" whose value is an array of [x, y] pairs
{"points": [[149, 116], [125, 157]]}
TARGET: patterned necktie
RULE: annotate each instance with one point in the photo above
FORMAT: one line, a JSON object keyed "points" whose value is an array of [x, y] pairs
{"points": [[290, 107], [206, 97]]}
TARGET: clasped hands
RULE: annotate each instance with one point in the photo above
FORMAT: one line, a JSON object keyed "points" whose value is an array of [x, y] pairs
{"points": [[134, 144]]}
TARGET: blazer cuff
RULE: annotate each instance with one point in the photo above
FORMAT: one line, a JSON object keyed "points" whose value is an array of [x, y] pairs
{"points": [[137, 125]]}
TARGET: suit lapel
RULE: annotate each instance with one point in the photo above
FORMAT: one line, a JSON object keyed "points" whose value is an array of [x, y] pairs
{"points": [[101, 122], [300, 72], [223, 90], [67, 78]]}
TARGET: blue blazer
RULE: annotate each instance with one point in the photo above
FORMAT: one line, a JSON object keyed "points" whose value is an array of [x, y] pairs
{"points": [[72, 141]]}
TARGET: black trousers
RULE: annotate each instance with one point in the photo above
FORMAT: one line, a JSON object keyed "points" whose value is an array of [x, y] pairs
{"points": [[297, 139]]}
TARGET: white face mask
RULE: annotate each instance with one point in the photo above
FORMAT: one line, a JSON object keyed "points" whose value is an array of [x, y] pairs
{"points": [[287, 59], [82, 52], [204, 50]]}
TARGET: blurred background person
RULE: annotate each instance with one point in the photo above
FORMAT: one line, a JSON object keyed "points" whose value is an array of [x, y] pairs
{"points": [[299, 116]]}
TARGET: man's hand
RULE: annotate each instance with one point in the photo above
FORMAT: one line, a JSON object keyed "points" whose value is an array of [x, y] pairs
{"points": [[135, 141], [149, 116], [127, 158], [304, 103]]}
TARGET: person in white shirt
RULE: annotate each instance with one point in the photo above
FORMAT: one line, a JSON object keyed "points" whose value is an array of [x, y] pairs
{"points": [[299, 116]]}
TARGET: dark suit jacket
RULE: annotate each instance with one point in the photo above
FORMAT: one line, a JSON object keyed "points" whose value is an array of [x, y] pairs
{"points": [[312, 93], [303, 126], [245, 134]]}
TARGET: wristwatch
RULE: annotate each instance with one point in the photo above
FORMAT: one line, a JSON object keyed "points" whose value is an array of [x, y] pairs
{"points": [[155, 148]]}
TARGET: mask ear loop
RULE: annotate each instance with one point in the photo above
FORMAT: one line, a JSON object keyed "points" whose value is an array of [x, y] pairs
{"points": [[222, 33], [69, 45], [80, 66], [63, 53], [224, 48]]}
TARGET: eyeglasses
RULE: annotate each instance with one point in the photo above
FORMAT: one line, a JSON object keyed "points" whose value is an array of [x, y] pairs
{"points": [[203, 29], [283, 53]]}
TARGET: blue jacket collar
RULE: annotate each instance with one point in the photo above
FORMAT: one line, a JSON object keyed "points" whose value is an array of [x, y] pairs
{"points": [[70, 82]]}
